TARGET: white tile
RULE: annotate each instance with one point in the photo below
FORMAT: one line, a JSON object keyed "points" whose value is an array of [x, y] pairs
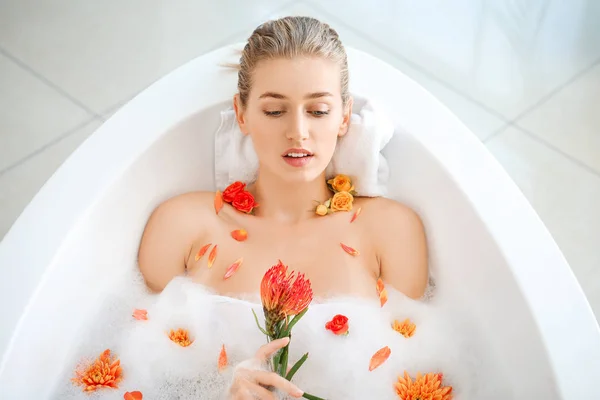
{"points": [[479, 120], [565, 195], [570, 120], [103, 52], [19, 185], [505, 54], [31, 113]]}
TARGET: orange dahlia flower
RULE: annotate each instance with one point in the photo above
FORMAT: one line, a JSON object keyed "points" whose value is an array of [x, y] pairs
{"points": [[181, 337], [406, 328], [425, 387], [283, 294], [105, 371]]}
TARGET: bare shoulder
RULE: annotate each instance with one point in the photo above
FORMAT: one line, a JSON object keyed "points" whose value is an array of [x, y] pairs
{"points": [[401, 245], [169, 235]]}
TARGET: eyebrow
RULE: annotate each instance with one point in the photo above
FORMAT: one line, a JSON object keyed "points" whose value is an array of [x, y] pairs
{"points": [[315, 95]]}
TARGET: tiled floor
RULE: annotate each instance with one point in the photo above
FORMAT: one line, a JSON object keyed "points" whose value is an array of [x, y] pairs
{"points": [[524, 75]]}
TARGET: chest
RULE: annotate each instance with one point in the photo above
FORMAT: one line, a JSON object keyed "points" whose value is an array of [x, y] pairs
{"points": [[313, 248]]}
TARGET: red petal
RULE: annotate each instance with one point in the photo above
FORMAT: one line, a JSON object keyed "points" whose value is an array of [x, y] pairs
{"points": [[383, 297], [212, 256], [222, 359], [380, 286], [140, 315], [240, 235], [233, 268], [137, 395], [356, 214], [349, 250], [379, 358], [218, 202], [202, 251]]}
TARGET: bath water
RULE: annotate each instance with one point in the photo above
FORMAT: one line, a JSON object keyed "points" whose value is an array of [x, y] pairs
{"points": [[445, 341]]}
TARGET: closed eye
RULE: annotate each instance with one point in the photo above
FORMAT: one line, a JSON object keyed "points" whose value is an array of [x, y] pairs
{"points": [[273, 113]]}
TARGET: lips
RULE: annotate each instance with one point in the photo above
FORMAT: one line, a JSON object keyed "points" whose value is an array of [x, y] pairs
{"points": [[297, 157], [297, 152]]}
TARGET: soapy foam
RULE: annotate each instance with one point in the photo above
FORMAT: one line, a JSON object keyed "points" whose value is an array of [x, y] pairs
{"points": [[337, 368]]}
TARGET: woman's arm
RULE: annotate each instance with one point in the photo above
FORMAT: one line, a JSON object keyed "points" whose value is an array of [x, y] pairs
{"points": [[168, 238], [402, 247]]}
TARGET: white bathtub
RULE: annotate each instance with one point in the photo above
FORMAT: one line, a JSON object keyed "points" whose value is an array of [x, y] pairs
{"points": [[84, 225]]}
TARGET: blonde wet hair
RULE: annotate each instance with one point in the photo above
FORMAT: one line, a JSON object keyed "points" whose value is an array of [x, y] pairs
{"points": [[291, 37]]}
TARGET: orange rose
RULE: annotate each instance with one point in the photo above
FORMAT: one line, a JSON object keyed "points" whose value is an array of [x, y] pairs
{"points": [[232, 190], [321, 209], [244, 202], [342, 201], [341, 183], [338, 325]]}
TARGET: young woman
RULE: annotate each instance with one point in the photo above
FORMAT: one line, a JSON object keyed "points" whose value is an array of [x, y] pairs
{"points": [[294, 103]]}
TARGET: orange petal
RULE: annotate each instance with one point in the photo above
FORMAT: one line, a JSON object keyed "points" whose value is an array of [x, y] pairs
{"points": [[222, 359], [212, 256], [356, 214], [349, 250], [383, 297], [140, 315], [240, 235], [380, 286], [218, 202], [202, 251], [233, 268], [379, 357], [137, 395]]}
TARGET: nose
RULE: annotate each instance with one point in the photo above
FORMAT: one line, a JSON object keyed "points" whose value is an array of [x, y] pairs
{"points": [[297, 129]]}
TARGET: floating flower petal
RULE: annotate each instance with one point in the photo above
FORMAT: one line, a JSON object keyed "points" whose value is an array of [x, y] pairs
{"points": [[383, 297], [356, 214], [137, 395], [239, 234], [218, 202], [212, 256], [349, 250], [222, 364], [140, 315], [202, 251], [233, 268], [379, 357]]}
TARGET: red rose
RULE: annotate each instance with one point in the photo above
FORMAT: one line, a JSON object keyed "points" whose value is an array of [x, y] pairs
{"points": [[243, 201], [232, 190], [338, 325]]}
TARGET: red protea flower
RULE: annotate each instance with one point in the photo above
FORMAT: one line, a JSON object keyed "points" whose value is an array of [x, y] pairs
{"points": [[283, 294]]}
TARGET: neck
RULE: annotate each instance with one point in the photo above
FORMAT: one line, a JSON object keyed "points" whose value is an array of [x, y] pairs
{"points": [[288, 202]]}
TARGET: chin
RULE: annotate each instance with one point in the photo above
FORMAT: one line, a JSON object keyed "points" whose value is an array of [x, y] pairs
{"points": [[300, 175]]}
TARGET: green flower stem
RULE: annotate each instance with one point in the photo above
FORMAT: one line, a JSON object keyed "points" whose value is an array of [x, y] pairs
{"points": [[296, 367], [284, 361], [311, 397]]}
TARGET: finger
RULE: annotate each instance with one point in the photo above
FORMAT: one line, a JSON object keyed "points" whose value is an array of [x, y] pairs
{"points": [[279, 382], [257, 391], [270, 348]]}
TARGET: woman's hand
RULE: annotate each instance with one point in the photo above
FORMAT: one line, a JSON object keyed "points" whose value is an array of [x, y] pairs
{"points": [[250, 380]]}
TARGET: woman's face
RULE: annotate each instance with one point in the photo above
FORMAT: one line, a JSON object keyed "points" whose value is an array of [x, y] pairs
{"points": [[294, 115]]}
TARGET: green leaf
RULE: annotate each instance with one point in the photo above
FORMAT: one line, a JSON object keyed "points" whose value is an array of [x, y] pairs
{"points": [[283, 361], [296, 367], [258, 324], [294, 321], [311, 397]]}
